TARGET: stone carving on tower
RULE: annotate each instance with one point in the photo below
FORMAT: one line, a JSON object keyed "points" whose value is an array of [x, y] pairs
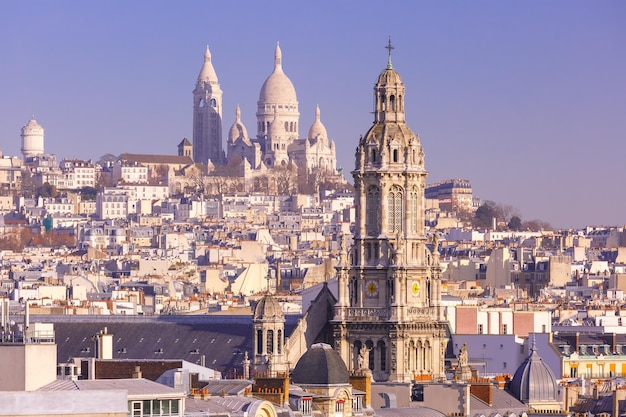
{"points": [[207, 115], [389, 298]]}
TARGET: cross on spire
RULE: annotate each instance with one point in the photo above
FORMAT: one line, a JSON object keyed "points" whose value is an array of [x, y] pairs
{"points": [[389, 48]]}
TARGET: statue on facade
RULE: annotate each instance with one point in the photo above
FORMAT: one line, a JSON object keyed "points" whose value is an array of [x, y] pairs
{"points": [[362, 359], [463, 355], [463, 371]]}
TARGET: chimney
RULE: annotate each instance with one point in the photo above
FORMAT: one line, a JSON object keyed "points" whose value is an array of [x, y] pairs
{"points": [[482, 392], [137, 373], [363, 383], [105, 345]]}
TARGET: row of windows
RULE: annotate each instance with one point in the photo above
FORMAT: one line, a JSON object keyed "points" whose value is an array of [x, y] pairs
{"points": [[270, 343], [149, 408]]}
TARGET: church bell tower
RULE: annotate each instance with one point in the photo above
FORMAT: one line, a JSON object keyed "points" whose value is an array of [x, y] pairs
{"points": [[207, 115], [388, 312]]}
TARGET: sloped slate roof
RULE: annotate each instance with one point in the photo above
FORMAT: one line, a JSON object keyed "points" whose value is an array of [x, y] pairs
{"points": [[320, 364], [221, 339]]}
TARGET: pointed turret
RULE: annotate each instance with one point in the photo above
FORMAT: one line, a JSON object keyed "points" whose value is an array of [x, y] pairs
{"points": [[278, 59], [207, 73], [317, 129]]}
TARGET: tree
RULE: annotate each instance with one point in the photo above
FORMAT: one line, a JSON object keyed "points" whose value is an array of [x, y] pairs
{"points": [[286, 179], [484, 215], [515, 223], [536, 225], [47, 190], [88, 193]]}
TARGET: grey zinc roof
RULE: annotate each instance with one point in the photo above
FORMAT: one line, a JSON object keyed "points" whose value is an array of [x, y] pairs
{"points": [[409, 412], [534, 381], [134, 386], [228, 386], [501, 402], [41, 403], [220, 339], [320, 364]]}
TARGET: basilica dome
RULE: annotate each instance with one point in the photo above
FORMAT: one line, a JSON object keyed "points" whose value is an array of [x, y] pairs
{"points": [[317, 128], [278, 87], [238, 130], [320, 365], [533, 381]]}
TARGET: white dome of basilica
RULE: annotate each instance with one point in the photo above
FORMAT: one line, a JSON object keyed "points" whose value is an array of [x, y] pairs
{"points": [[278, 88], [238, 130], [317, 130]]}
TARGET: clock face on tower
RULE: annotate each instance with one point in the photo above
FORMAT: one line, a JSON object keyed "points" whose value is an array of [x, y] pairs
{"points": [[415, 289], [371, 288]]}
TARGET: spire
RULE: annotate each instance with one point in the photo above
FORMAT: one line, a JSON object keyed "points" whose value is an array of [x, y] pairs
{"points": [[278, 59], [207, 73], [389, 48], [317, 113], [238, 114]]}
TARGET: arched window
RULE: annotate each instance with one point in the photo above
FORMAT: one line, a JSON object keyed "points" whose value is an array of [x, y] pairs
{"points": [[259, 342], [413, 202], [392, 102], [213, 102], [286, 126], [370, 359], [372, 208], [270, 341], [279, 341], [395, 155], [383, 104], [382, 350], [395, 214]]}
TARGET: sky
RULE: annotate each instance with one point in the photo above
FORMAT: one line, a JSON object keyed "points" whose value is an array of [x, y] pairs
{"points": [[526, 100]]}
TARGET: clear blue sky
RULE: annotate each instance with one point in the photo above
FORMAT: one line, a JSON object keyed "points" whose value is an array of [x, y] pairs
{"points": [[527, 100]]}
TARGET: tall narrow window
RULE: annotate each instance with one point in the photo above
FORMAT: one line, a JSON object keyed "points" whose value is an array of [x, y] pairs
{"points": [[395, 214], [270, 341], [372, 210], [382, 349], [259, 342], [413, 220], [279, 341], [370, 359]]}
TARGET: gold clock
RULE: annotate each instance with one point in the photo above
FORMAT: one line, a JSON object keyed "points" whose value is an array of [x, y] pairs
{"points": [[415, 288], [372, 288]]}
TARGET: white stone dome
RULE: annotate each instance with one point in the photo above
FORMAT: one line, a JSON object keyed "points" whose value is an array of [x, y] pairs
{"points": [[237, 130], [278, 88], [317, 130]]}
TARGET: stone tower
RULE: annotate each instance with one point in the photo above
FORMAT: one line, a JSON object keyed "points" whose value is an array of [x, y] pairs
{"points": [[269, 337], [277, 115], [207, 115], [32, 139], [388, 317]]}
